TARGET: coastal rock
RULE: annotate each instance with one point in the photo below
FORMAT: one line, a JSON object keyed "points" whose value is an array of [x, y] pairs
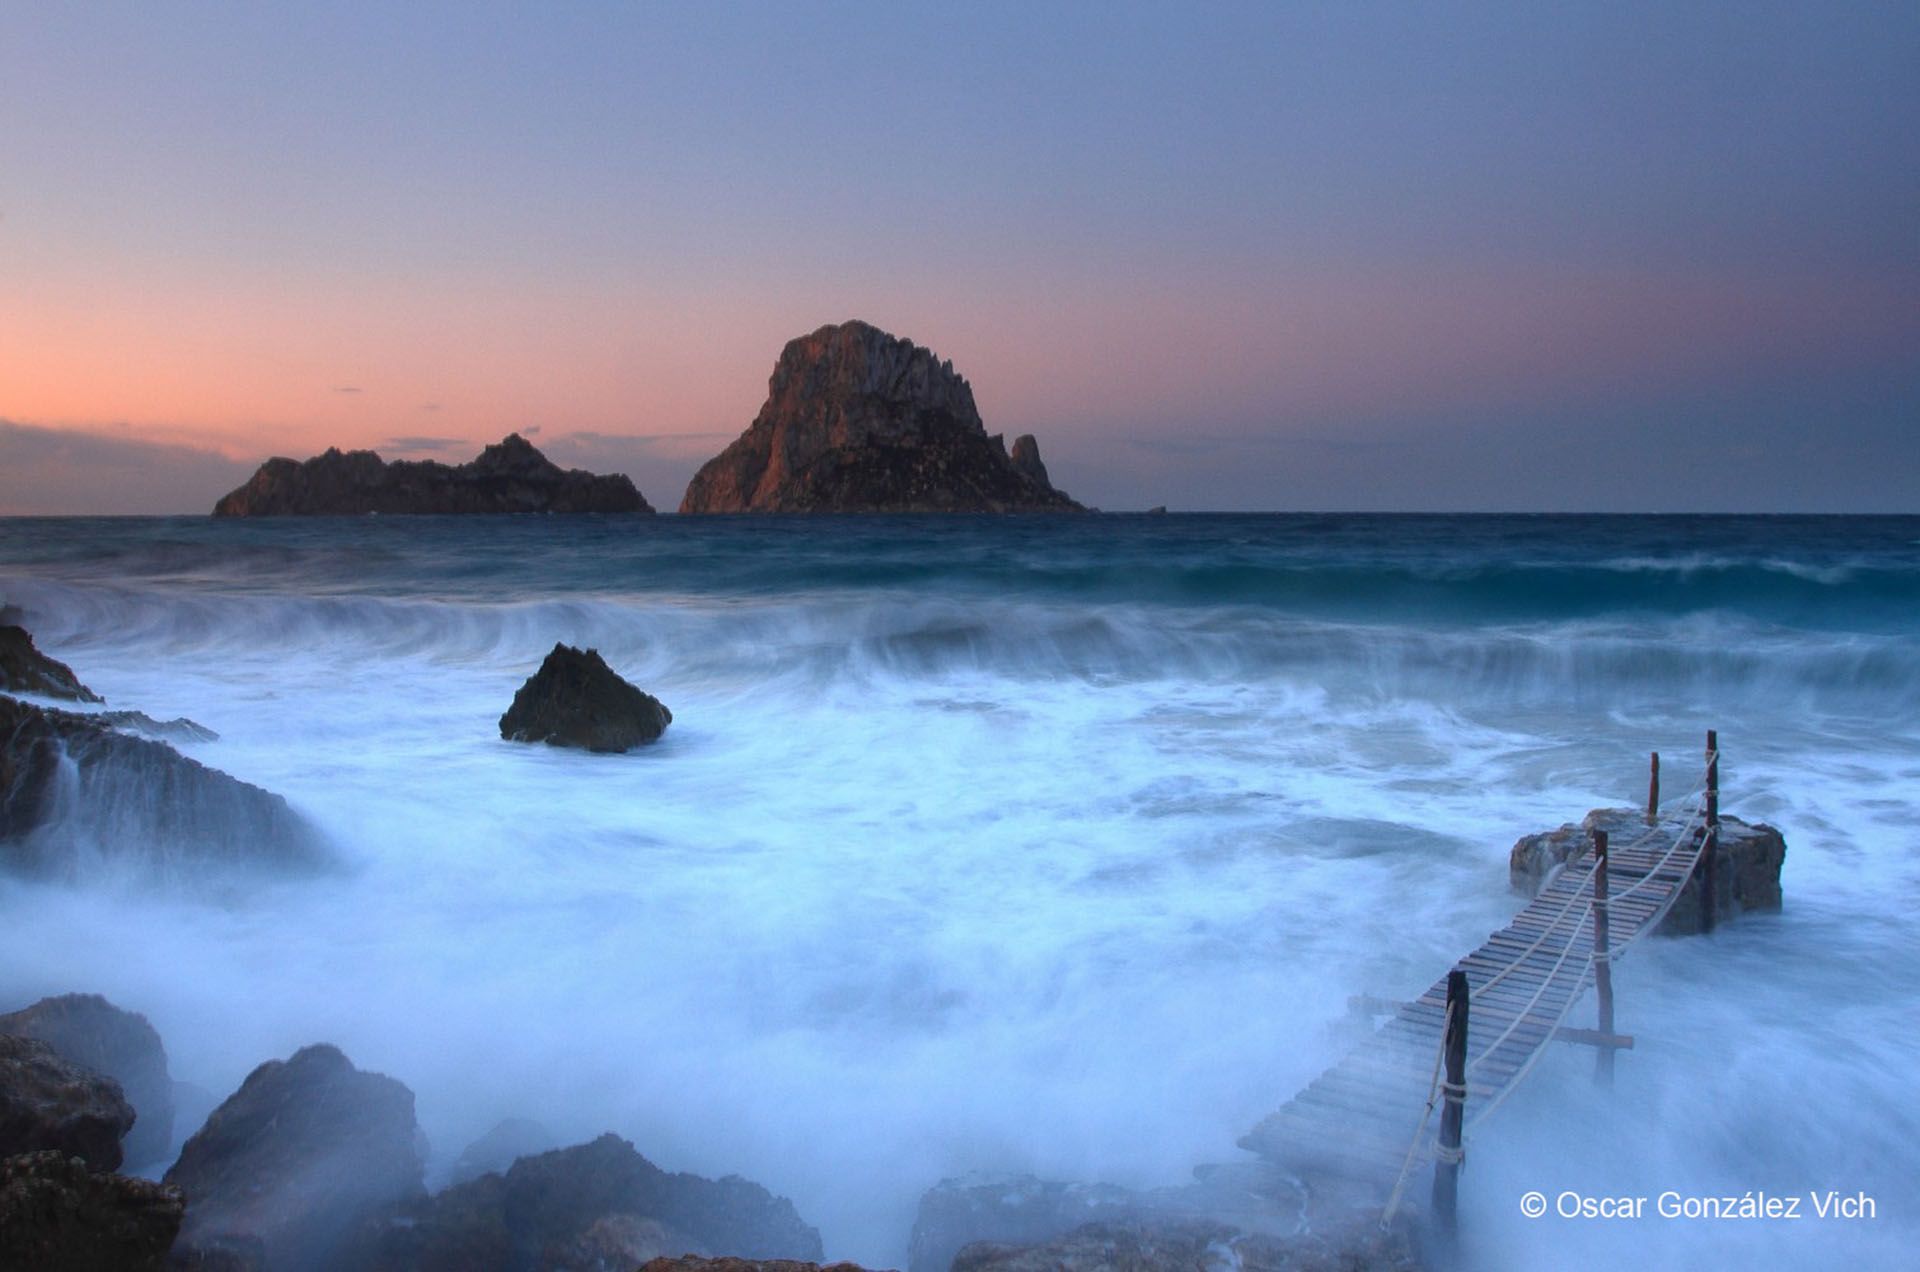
{"points": [[1241, 1210], [510, 1139], [575, 699], [567, 1207], [24, 669], [509, 476], [696, 1263], [1746, 874], [1195, 1245], [57, 1214], [857, 420], [1026, 461], [89, 1031], [1014, 1210], [72, 788], [50, 1103], [306, 1151], [178, 729]]}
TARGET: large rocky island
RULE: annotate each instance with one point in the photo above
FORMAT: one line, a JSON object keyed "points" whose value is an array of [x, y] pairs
{"points": [[857, 420], [509, 476]]}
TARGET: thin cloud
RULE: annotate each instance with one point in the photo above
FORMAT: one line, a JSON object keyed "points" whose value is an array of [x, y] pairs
{"points": [[71, 472], [347, 388]]}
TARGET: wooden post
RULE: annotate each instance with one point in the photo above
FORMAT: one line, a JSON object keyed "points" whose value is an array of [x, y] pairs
{"points": [[1710, 849], [1446, 1171], [1653, 791], [1602, 955]]}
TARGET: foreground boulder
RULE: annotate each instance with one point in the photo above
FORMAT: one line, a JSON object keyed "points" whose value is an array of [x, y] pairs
{"points": [[304, 1153], [599, 1204], [72, 788], [575, 699], [57, 1214], [510, 476], [1746, 869], [857, 420], [48, 1103], [24, 669], [87, 1030]]}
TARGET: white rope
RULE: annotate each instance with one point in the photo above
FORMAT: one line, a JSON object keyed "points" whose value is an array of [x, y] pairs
{"points": [[1413, 1145]]}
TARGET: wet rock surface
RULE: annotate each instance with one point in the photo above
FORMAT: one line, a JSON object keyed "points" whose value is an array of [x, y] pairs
{"points": [[58, 1216], [89, 1031], [24, 669], [48, 1103], [130, 798], [303, 1154], [509, 476], [576, 700], [595, 1201], [1746, 876], [857, 420]]}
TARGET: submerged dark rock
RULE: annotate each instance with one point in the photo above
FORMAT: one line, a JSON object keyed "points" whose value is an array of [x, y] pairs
{"points": [[72, 787], [857, 420], [1194, 1245], [575, 699], [49, 1103], [595, 1204], [509, 476], [57, 1214], [1746, 876], [697, 1263], [87, 1030], [304, 1153], [24, 669], [1241, 1214]]}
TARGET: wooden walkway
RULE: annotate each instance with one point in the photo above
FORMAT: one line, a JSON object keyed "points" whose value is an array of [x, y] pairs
{"points": [[1362, 1117]]}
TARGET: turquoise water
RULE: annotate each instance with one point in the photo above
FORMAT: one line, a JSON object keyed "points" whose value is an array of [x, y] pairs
{"points": [[1041, 844]]}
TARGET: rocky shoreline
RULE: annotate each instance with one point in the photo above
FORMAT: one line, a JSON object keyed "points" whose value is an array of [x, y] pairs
{"points": [[313, 1163]]}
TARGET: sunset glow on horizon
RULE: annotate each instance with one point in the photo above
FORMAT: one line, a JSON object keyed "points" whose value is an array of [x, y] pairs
{"points": [[1256, 260]]}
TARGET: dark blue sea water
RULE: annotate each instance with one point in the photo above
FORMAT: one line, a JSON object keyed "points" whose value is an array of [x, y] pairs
{"points": [[1033, 844]]}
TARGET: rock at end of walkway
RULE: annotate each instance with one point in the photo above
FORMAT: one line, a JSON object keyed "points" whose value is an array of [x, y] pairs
{"points": [[306, 1151], [576, 700], [87, 1030], [48, 1103], [55, 1213], [24, 669], [1746, 867]]}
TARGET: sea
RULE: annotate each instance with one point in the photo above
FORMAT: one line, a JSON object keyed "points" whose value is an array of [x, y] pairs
{"points": [[1020, 845]]}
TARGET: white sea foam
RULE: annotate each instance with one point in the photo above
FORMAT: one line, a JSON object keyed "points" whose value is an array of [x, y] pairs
{"points": [[917, 885]]}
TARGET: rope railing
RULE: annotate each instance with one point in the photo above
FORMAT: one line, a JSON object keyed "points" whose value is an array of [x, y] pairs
{"points": [[1694, 834]]}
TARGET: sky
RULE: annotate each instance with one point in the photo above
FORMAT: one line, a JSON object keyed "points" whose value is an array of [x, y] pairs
{"points": [[1609, 257]]}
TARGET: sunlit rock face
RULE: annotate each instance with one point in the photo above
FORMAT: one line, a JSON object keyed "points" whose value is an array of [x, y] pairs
{"points": [[509, 476], [857, 420]]}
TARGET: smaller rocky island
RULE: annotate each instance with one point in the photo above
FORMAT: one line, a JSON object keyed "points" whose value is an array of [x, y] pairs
{"points": [[857, 420], [509, 476]]}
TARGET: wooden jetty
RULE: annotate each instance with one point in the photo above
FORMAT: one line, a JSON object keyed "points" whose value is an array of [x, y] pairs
{"points": [[1466, 1043]]}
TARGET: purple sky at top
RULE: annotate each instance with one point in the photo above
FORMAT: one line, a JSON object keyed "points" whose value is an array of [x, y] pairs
{"points": [[1619, 256]]}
